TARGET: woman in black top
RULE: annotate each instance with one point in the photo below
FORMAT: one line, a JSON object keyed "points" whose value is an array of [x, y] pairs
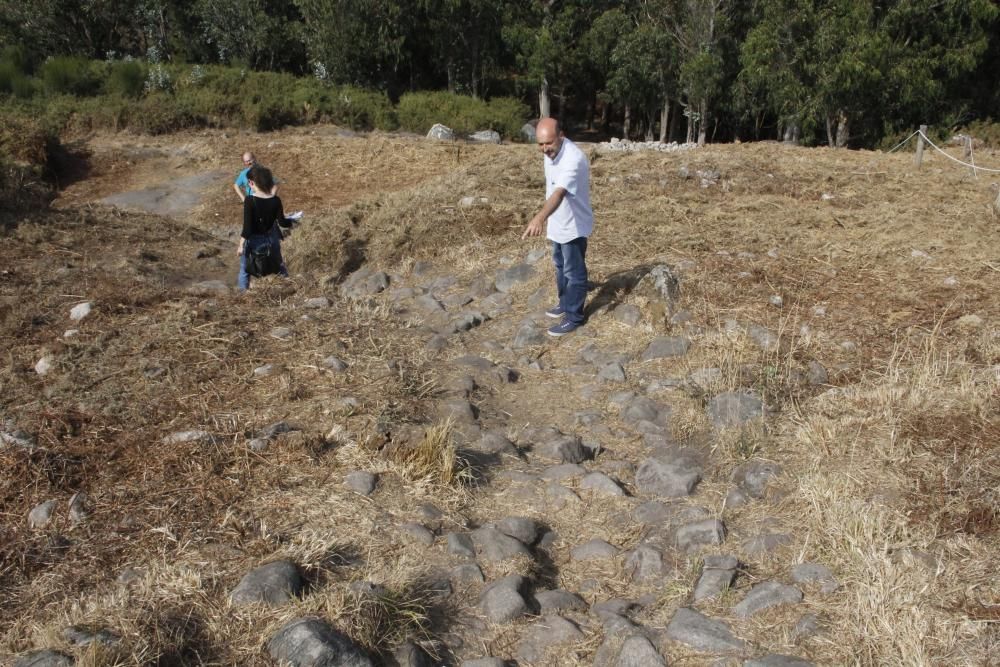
{"points": [[261, 213]]}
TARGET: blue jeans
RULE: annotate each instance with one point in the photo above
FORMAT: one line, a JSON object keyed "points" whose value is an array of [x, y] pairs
{"points": [[256, 241], [571, 277]]}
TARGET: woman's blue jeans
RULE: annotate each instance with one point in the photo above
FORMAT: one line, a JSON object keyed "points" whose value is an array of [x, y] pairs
{"points": [[571, 277]]}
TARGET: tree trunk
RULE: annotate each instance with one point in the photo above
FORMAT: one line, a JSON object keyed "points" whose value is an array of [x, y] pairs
{"points": [[674, 119], [842, 129], [664, 117], [791, 133], [450, 69], [690, 128], [544, 103], [627, 125], [829, 132], [703, 118], [605, 116], [651, 123]]}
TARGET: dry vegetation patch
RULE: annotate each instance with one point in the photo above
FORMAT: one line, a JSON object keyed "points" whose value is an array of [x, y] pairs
{"points": [[890, 468]]}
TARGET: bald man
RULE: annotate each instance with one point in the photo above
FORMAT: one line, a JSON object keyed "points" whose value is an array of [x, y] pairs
{"points": [[567, 220], [242, 185]]}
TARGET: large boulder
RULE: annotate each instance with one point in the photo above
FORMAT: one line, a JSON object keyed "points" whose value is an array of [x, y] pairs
{"points": [[441, 132], [311, 642]]}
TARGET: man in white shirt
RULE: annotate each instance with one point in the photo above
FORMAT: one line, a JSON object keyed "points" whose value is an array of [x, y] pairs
{"points": [[567, 220]]}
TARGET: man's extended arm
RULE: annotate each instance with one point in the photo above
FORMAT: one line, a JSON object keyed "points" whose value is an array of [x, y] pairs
{"points": [[537, 225], [239, 191]]}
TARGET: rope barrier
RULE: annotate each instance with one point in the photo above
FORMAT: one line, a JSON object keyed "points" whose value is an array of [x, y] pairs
{"points": [[955, 159], [903, 142]]}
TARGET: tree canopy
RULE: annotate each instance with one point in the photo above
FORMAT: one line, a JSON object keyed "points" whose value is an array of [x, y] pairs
{"points": [[843, 72]]}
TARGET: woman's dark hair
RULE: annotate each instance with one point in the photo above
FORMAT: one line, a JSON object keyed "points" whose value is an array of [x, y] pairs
{"points": [[261, 176]]}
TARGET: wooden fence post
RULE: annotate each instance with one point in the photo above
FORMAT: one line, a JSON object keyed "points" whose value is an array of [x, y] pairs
{"points": [[919, 157]]}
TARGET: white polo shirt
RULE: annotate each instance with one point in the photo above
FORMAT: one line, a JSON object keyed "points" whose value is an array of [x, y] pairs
{"points": [[570, 170]]}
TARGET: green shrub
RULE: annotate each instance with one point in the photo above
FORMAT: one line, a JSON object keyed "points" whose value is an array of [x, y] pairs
{"points": [[18, 56], [127, 78], [985, 131], [418, 112], [14, 82], [70, 75], [161, 113]]}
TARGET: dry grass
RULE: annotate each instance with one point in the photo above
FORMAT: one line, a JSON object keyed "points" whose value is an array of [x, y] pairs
{"points": [[891, 469]]}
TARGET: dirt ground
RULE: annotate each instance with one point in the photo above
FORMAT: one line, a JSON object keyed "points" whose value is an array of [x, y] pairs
{"points": [[887, 275]]}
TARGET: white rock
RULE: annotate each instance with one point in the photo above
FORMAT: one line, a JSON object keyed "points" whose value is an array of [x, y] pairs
{"points": [[826, 196], [186, 436], [44, 365], [80, 311], [776, 300], [950, 281], [919, 254], [819, 311], [69, 333]]}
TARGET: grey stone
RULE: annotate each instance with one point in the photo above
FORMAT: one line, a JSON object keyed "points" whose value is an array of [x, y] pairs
{"points": [[316, 303], [765, 543], [807, 626], [657, 478], [613, 372], [428, 305], [506, 279], [666, 346], [627, 314], [80, 311], [502, 600], [736, 498], [595, 549], [441, 133], [273, 584], [601, 483], [734, 408], [637, 651], [642, 409], [705, 378], [460, 544], [277, 428], [704, 634], [44, 365], [563, 449], [661, 283], [182, 437], [81, 636], [458, 410], [559, 496], [814, 573], [720, 562], [495, 442], [416, 533], [264, 371], [475, 362], [41, 515], [754, 476], [45, 658], [496, 303], [13, 436], [528, 336], [281, 333], [436, 343], [765, 595], [776, 660], [644, 564], [535, 255], [550, 602], [485, 137], [78, 507], [692, 536], [409, 654], [363, 283], [521, 528], [714, 582], [335, 364], [493, 545], [562, 472], [311, 642], [816, 374], [763, 338], [468, 573], [528, 134], [547, 633], [470, 202], [653, 512], [361, 481]]}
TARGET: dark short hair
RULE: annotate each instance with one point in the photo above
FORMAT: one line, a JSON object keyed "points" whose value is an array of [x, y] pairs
{"points": [[262, 177]]}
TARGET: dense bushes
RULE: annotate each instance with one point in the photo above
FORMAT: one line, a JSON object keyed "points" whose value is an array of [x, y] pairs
{"points": [[66, 94], [419, 111]]}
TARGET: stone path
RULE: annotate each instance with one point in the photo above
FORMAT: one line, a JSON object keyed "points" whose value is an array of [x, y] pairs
{"points": [[605, 534]]}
